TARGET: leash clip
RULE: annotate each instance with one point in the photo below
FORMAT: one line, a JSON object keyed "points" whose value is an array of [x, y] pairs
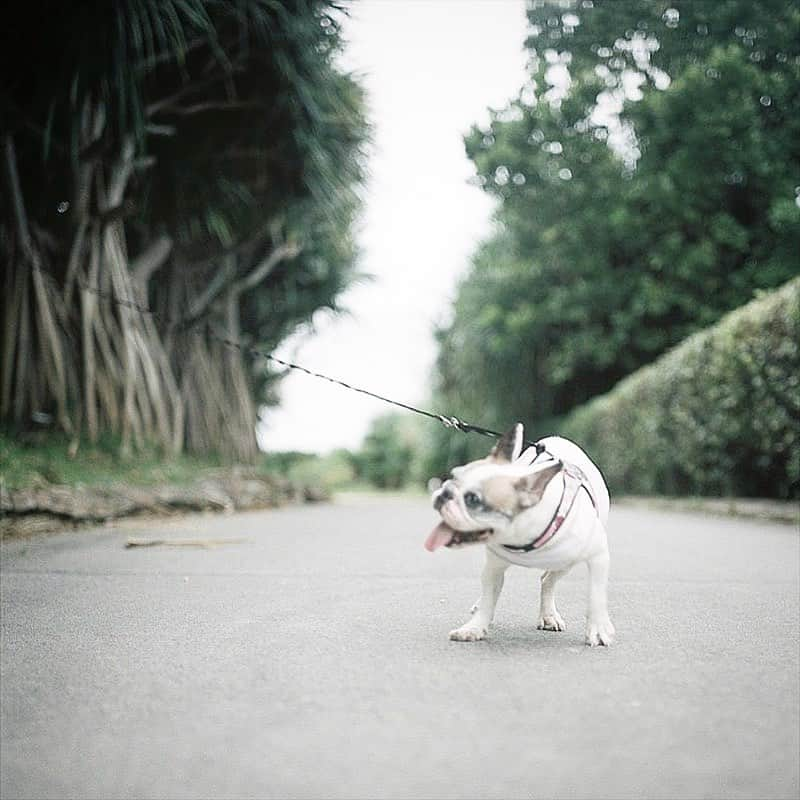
{"points": [[451, 422]]}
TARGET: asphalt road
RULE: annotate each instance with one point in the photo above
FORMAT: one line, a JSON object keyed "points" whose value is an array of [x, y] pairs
{"points": [[312, 661]]}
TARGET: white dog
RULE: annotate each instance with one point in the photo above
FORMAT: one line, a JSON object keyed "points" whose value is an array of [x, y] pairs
{"points": [[545, 508]]}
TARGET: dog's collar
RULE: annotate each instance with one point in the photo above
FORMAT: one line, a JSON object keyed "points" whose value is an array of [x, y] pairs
{"points": [[574, 481]]}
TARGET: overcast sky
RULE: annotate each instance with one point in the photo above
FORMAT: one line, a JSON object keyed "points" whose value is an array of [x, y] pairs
{"points": [[431, 68]]}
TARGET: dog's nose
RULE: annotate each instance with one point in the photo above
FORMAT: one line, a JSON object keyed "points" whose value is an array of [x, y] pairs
{"points": [[442, 496]]}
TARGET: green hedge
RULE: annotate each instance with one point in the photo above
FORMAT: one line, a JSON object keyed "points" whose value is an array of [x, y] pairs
{"points": [[717, 415]]}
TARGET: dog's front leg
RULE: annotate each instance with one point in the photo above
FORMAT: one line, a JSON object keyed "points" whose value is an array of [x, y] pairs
{"points": [[491, 585], [599, 628]]}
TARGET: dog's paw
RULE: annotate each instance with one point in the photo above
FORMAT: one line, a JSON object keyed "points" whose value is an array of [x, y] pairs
{"points": [[600, 633], [551, 622], [468, 633]]}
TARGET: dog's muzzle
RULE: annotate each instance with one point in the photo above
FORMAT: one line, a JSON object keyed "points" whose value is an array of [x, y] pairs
{"points": [[442, 496]]}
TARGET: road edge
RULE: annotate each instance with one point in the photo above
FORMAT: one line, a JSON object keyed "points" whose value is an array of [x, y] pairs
{"points": [[783, 511]]}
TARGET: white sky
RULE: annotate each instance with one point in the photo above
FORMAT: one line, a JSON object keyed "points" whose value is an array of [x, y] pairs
{"points": [[431, 68]]}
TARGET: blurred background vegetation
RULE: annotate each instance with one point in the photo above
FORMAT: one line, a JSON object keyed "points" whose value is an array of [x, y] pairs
{"points": [[205, 158], [648, 182]]}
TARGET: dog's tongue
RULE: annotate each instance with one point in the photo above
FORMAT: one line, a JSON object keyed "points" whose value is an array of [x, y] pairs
{"points": [[439, 536]]}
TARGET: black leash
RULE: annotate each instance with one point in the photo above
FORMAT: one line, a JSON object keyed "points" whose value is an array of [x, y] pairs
{"points": [[447, 421]]}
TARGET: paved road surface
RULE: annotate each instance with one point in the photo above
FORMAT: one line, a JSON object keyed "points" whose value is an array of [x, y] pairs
{"points": [[312, 661]]}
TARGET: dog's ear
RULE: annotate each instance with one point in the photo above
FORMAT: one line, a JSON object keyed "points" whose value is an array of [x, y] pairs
{"points": [[509, 446], [530, 489]]}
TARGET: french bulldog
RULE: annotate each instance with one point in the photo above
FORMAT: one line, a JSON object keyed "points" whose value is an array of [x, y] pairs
{"points": [[544, 508]]}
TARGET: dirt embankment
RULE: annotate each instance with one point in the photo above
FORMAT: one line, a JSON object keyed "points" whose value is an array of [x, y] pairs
{"points": [[48, 507]]}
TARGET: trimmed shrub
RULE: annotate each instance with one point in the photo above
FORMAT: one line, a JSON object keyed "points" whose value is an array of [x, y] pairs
{"points": [[717, 415]]}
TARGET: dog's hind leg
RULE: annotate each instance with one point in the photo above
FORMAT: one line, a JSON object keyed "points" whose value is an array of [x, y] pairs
{"points": [[549, 618], [599, 628]]}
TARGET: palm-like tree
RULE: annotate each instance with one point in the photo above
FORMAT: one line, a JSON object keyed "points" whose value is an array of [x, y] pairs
{"points": [[200, 158]]}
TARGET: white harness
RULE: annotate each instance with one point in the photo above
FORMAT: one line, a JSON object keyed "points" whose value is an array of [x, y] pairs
{"points": [[574, 480]]}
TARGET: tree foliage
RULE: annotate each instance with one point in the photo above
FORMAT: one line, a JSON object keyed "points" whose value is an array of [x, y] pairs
{"points": [[647, 178]]}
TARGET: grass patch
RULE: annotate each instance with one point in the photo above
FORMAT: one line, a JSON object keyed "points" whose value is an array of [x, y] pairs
{"points": [[33, 459]]}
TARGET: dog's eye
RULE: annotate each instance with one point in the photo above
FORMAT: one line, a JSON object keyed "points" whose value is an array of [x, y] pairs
{"points": [[472, 500]]}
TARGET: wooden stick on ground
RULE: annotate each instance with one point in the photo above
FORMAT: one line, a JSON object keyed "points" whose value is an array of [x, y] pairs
{"points": [[203, 543]]}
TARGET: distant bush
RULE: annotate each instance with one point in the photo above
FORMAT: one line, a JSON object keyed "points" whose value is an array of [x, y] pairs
{"points": [[389, 455], [331, 471], [717, 415]]}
